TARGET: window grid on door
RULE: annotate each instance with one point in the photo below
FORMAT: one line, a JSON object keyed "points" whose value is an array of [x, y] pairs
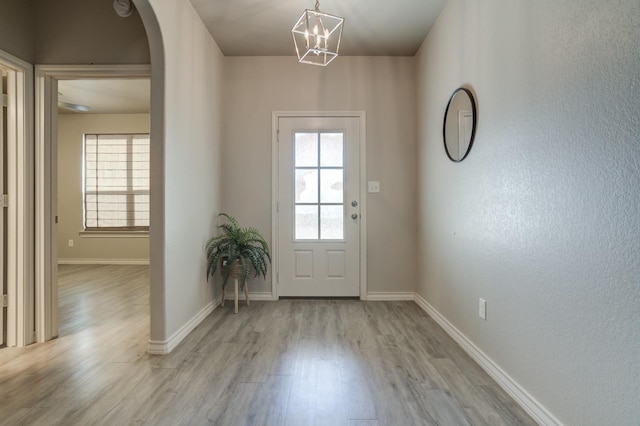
{"points": [[318, 185]]}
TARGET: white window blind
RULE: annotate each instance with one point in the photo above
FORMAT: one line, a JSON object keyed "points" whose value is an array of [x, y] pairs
{"points": [[116, 182]]}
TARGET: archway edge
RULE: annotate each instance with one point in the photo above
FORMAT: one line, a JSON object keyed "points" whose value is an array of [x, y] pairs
{"points": [[157, 302]]}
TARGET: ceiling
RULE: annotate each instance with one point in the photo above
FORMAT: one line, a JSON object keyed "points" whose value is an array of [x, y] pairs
{"points": [[263, 28], [371, 28], [105, 96]]}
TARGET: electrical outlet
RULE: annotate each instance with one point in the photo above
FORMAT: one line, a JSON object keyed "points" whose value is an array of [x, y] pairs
{"points": [[70, 243], [482, 308]]}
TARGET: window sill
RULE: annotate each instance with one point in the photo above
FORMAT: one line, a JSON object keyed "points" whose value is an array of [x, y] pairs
{"points": [[114, 234]]}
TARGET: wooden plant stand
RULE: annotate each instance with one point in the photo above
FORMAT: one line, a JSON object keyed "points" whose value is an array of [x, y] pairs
{"points": [[235, 273]]}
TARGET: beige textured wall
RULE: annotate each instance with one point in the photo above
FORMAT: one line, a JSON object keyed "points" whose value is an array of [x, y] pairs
{"points": [[384, 87], [543, 217], [71, 128]]}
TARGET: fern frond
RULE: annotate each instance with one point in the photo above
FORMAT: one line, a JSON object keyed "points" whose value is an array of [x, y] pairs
{"points": [[231, 219], [245, 245]]}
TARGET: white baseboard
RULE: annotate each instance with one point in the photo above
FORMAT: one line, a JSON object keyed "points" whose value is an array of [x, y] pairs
{"points": [[258, 296], [81, 261], [519, 394], [379, 296], [163, 347]]}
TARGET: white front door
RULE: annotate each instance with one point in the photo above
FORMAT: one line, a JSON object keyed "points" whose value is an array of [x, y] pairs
{"points": [[318, 206]]}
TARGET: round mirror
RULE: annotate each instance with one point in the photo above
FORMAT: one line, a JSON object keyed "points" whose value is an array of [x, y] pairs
{"points": [[459, 124]]}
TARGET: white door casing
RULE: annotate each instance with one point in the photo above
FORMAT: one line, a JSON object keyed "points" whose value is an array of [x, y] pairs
{"points": [[46, 211], [46, 95], [19, 186], [319, 236]]}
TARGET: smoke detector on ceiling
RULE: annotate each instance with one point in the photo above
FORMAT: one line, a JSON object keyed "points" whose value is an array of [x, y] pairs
{"points": [[123, 8]]}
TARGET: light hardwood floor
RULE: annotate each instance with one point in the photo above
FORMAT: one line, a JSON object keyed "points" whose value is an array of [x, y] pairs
{"points": [[292, 362]]}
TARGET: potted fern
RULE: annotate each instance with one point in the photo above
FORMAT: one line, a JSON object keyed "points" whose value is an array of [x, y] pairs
{"points": [[237, 251]]}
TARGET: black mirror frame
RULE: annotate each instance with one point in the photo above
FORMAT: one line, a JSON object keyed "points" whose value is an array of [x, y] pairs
{"points": [[473, 129]]}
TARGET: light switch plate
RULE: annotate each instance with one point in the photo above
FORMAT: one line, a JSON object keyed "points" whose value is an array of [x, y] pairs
{"points": [[373, 187], [482, 309]]}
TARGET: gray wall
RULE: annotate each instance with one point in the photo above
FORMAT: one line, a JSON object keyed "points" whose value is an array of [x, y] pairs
{"points": [[17, 28], [87, 32], [71, 32], [186, 188], [384, 87], [543, 218]]}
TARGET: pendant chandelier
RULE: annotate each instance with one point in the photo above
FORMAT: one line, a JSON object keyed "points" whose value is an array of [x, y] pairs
{"points": [[317, 36]]}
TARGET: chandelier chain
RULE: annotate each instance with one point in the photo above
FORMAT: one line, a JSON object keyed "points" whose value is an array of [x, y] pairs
{"points": [[317, 5]]}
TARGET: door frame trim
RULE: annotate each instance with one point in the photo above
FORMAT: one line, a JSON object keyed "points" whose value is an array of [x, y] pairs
{"points": [[46, 101], [362, 122], [20, 172]]}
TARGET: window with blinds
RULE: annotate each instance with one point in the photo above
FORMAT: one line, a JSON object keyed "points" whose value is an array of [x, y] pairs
{"points": [[116, 182]]}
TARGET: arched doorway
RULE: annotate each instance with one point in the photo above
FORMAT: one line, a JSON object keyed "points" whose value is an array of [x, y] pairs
{"points": [[45, 218]]}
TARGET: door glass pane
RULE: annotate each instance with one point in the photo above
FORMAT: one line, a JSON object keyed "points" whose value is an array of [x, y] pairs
{"points": [[306, 149], [319, 181], [331, 222], [331, 182], [331, 150], [306, 223], [306, 185]]}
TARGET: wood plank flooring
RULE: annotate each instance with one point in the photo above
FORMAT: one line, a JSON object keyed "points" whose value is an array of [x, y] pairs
{"points": [[291, 362]]}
